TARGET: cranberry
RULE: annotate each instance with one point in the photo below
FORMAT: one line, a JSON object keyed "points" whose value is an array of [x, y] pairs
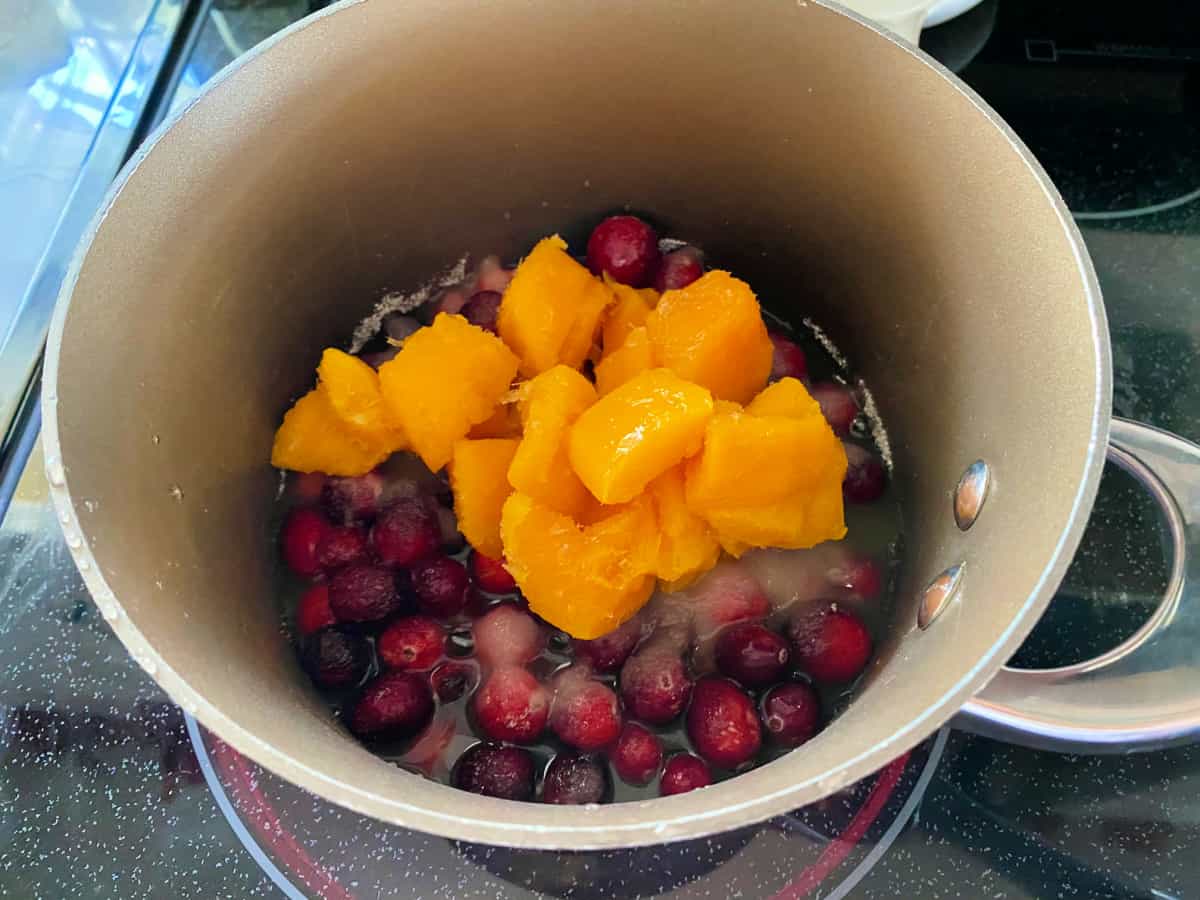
{"points": [[609, 652], [341, 546], [491, 575], [406, 531], [788, 361], [791, 713], [313, 612], [586, 714], [452, 538], [571, 778], [481, 310], [722, 723], [678, 269], [353, 499], [492, 275], [638, 754], [505, 635], [442, 586], [626, 248], [682, 773], [414, 642], [495, 771], [363, 593], [655, 686], [865, 475], [752, 654], [452, 680], [306, 487], [860, 575], [512, 706], [395, 706], [727, 594], [830, 644], [838, 405], [335, 659], [301, 533]]}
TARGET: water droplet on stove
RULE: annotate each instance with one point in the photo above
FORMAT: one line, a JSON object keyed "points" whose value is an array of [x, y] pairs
{"points": [[55, 472]]}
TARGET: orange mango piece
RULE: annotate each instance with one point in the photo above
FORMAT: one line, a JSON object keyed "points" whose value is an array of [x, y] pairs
{"points": [[786, 397], [477, 479], [352, 388], [446, 378], [632, 357], [504, 422], [631, 436], [802, 520], [712, 333], [687, 547], [313, 438], [551, 309], [630, 310]]}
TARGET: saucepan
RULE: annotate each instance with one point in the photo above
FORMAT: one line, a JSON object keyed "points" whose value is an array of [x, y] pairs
{"points": [[833, 166]]}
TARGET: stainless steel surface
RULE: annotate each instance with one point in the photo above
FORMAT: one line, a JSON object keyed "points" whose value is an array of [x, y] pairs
{"points": [[300, 181], [1144, 693], [971, 493], [938, 596]]}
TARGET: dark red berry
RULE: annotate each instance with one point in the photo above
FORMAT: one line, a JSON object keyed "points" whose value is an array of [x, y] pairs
{"points": [[860, 575], [506, 635], [490, 574], [452, 680], [452, 538], [638, 754], [682, 773], [313, 612], [865, 475], [406, 531], [655, 686], [414, 642], [838, 405], [830, 644], [752, 655], [609, 652], [442, 586], [728, 593], [306, 487], [791, 713], [626, 248], [395, 706], [722, 723], [481, 310], [352, 499], [678, 269], [571, 778], [586, 714], [788, 361], [341, 546], [300, 536], [512, 706], [335, 659], [495, 771], [363, 593]]}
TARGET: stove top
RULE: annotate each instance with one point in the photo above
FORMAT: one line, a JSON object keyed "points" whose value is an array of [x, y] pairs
{"points": [[107, 789]]}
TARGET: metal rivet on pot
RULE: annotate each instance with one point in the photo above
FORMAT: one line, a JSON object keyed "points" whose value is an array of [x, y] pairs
{"points": [[936, 597], [971, 493]]}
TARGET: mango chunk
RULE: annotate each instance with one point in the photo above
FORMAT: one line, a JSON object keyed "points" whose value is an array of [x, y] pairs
{"points": [[352, 388], [445, 379], [632, 435], [630, 310], [632, 357], [504, 422], [687, 547], [550, 404], [712, 333], [313, 438], [798, 522], [478, 480], [786, 397], [551, 309]]}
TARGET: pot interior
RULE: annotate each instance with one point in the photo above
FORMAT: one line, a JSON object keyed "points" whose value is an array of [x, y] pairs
{"points": [[833, 169]]}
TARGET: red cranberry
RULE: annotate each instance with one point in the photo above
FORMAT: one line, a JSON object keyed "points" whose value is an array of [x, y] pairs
{"points": [[313, 612], [302, 532], [722, 723], [609, 652], [655, 686], [788, 361], [492, 276], [495, 771], [575, 779], [752, 654], [406, 531], [363, 593], [860, 575], [341, 546], [490, 574], [678, 269], [626, 248], [791, 713], [838, 405], [586, 714], [393, 707], [442, 586], [727, 594], [306, 487], [452, 680], [506, 636], [481, 310], [865, 475], [682, 773], [352, 499], [414, 642], [638, 754], [335, 659], [830, 644], [512, 706]]}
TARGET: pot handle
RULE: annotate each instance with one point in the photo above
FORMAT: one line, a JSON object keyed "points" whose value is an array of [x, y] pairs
{"points": [[1145, 693]]}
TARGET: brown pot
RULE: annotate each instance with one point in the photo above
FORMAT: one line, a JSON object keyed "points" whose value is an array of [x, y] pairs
{"points": [[818, 158]]}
